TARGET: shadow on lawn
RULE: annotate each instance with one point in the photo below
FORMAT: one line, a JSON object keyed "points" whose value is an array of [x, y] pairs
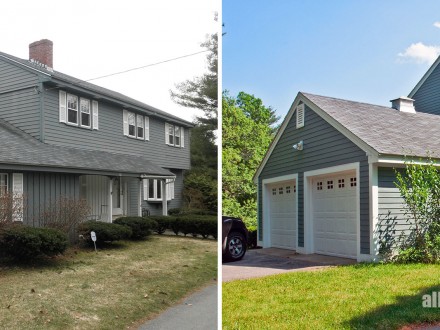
{"points": [[407, 310]]}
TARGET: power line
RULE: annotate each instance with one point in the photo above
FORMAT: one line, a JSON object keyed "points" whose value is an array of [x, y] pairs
{"points": [[137, 68]]}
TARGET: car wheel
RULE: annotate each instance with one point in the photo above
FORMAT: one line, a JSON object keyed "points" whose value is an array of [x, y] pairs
{"points": [[235, 246]]}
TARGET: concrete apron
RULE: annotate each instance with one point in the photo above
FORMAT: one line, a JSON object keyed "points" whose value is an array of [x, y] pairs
{"points": [[270, 261]]}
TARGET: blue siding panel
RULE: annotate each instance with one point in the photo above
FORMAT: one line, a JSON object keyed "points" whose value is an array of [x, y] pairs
{"points": [[324, 147], [427, 98]]}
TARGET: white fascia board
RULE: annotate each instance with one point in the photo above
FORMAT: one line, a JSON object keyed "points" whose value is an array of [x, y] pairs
{"points": [[370, 151], [401, 161], [425, 76]]}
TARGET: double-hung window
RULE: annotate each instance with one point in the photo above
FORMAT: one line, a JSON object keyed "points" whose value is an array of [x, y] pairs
{"points": [[174, 135], [78, 111], [85, 112], [72, 109], [153, 189], [136, 126]]}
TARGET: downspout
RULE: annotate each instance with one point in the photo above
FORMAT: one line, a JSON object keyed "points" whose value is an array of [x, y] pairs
{"points": [[40, 91]]}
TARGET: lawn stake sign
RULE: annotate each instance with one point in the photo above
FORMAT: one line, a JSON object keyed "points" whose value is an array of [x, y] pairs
{"points": [[93, 236]]}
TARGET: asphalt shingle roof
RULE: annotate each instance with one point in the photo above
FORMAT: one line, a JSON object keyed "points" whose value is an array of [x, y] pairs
{"points": [[95, 88], [388, 131], [20, 148]]}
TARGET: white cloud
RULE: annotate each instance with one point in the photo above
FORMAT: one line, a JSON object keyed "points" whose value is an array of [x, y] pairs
{"points": [[437, 24], [420, 53]]}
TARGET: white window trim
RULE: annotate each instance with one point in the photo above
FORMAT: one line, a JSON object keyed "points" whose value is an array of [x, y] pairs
{"points": [[77, 110], [144, 120], [147, 129], [64, 111], [81, 112], [167, 135], [169, 189], [140, 120], [131, 114]]}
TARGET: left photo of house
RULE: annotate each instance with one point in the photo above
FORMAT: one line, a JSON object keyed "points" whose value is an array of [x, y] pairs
{"points": [[108, 165]]}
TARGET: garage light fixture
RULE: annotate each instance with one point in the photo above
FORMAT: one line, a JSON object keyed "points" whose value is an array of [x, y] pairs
{"points": [[299, 145]]}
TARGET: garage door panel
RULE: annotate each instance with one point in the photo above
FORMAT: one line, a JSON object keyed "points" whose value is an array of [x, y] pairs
{"points": [[334, 215], [283, 215]]}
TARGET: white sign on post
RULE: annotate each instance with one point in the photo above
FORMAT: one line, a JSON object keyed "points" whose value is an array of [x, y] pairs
{"points": [[93, 236]]}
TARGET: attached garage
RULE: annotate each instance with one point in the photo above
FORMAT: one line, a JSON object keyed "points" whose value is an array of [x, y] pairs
{"points": [[282, 214], [334, 214]]}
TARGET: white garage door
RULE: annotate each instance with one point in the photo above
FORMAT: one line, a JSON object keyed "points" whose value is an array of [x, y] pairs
{"points": [[334, 215], [283, 215]]}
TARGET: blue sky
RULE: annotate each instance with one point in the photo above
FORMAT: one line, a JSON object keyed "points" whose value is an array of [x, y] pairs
{"points": [[368, 51]]}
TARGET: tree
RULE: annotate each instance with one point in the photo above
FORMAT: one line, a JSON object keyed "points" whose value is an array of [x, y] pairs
{"points": [[200, 183], [247, 131]]}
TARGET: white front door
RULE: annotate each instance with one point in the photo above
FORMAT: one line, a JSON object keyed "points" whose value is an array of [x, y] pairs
{"points": [[334, 215], [283, 215]]}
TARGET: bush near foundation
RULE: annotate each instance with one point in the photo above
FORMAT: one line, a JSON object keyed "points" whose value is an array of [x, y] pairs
{"points": [[163, 223], [24, 242], [140, 227], [105, 232]]}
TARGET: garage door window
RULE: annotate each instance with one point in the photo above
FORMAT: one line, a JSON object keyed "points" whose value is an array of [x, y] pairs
{"points": [[280, 191], [319, 185], [353, 182], [341, 183], [274, 191], [330, 184], [288, 190]]}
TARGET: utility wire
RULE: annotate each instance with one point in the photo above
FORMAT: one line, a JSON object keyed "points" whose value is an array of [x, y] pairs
{"points": [[79, 81]]}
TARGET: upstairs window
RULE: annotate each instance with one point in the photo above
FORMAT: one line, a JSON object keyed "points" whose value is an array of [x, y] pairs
{"points": [[85, 112], [77, 111], [174, 135], [72, 109], [136, 126]]}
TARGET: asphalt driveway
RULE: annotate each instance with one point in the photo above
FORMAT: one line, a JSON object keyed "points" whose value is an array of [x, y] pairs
{"points": [[264, 262]]}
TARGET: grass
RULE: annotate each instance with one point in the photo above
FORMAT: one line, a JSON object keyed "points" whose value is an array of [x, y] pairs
{"points": [[111, 289], [349, 297]]}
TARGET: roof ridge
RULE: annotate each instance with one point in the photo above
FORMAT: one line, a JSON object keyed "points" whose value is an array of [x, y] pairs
{"points": [[346, 100]]}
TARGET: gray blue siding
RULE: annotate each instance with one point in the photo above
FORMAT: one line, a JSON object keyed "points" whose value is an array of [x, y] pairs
{"points": [[110, 136], [43, 189], [391, 203], [19, 98], [324, 147], [427, 98]]}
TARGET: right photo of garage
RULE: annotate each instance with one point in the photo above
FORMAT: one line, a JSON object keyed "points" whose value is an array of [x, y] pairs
{"points": [[330, 165]]}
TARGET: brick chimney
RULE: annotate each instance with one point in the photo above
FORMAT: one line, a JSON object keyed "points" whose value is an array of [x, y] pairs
{"points": [[42, 52]]}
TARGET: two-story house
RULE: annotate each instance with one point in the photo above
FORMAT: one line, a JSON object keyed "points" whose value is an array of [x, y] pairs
{"points": [[64, 137], [327, 180]]}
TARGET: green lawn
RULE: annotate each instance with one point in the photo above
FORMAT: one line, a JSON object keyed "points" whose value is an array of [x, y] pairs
{"points": [[111, 289], [349, 297]]}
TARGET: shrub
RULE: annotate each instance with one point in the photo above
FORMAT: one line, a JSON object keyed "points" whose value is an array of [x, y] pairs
{"points": [[65, 214], [163, 223], [12, 207], [23, 242], [196, 225], [105, 232], [140, 227]]}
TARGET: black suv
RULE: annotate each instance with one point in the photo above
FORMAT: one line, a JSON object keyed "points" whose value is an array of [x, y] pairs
{"points": [[234, 238]]}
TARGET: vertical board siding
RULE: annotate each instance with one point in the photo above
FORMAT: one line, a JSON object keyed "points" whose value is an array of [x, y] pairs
{"points": [[96, 195], [44, 189], [110, 136], [391, 203], [427, 98], [324, 147]]}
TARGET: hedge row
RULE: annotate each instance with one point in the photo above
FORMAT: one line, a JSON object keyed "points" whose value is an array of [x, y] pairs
{"points": [[203, 225], [23, 242]]}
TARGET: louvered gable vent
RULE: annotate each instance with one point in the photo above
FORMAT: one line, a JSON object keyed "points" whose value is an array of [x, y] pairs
{"points": [[300, 115]]}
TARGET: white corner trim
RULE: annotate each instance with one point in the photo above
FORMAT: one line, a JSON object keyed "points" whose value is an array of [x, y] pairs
{"points": [[309, 246], [265, 202], [374, 208]]}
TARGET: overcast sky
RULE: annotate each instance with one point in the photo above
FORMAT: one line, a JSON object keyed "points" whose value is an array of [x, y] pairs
{"points": [[96, 38], [362, 50]]}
